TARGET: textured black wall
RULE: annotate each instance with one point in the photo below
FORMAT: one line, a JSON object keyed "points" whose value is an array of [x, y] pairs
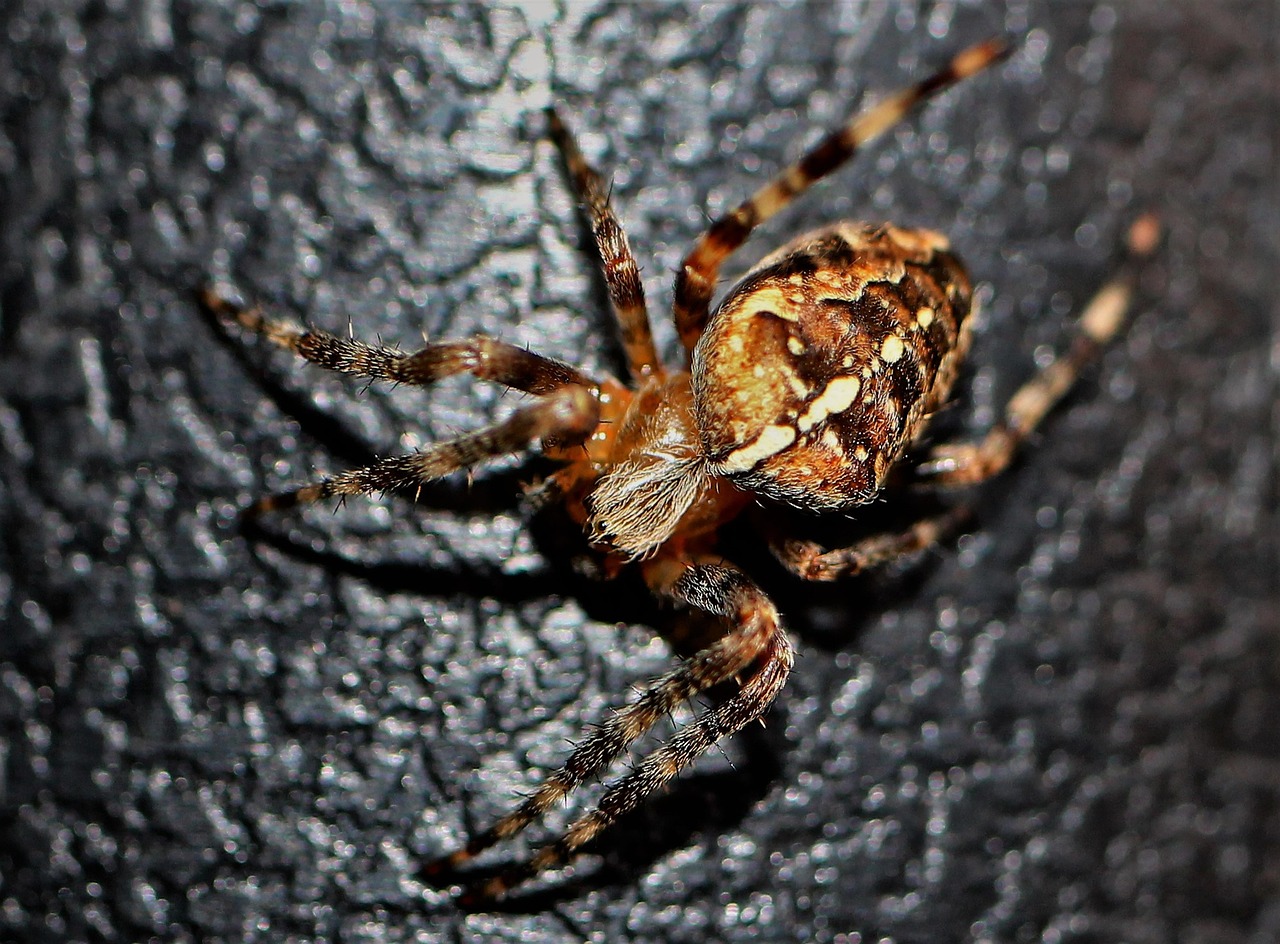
{"points": [[1062, 728]]}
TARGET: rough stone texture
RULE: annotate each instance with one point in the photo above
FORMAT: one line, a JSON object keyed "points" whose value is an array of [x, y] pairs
{"points": [[1062, 728]]}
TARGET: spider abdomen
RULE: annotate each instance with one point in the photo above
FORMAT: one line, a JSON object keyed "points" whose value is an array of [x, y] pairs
{"points": [[823, 364]]}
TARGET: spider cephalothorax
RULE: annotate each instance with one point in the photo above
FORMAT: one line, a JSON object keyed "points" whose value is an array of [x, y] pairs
{"points": [[807, 386]]}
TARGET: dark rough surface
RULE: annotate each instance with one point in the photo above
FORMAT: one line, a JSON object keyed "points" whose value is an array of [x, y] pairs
{"points": [[1064, 728]]}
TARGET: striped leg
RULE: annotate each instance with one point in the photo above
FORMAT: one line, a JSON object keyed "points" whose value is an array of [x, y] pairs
{"points": [[621, 275], [968, 463], [564, 416], [809, 561], [480, 356], [757, 639], [696, 280]]}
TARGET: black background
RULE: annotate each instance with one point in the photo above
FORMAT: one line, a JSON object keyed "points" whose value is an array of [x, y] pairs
{"points": [[1062, 727]]}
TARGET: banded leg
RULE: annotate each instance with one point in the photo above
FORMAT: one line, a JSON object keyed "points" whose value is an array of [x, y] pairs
{"points": [[700, 270], [969, 463], [621, 275], [480, 356], [757, 639], [564, 416], [808, 560]]}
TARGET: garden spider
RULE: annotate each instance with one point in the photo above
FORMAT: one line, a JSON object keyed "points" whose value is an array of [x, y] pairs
{"points": [[806, 386]]}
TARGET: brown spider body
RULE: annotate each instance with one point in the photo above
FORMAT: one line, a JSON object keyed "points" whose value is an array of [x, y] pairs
{"points": [[808, 385], [809, 381], [824, 363]]}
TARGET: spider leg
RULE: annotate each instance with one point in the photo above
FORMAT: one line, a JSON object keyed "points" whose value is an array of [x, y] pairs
{"points": [[621, 275], [564, 416], [483, 357], [756, 640], [700, 270], [809, 561], [951, 464]]}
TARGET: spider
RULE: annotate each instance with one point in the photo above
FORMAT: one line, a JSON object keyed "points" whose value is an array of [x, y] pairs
{"points": [[806, 386]]}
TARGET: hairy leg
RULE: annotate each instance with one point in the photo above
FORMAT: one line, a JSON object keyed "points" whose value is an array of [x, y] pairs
{"points": [[564, 416], [696, 280], [967, 463], [482, 357], [756, 641], [621, 275], [808, 560]]}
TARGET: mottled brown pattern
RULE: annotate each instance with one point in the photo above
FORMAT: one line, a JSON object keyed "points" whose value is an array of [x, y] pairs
{"points": [[821, 310]]}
